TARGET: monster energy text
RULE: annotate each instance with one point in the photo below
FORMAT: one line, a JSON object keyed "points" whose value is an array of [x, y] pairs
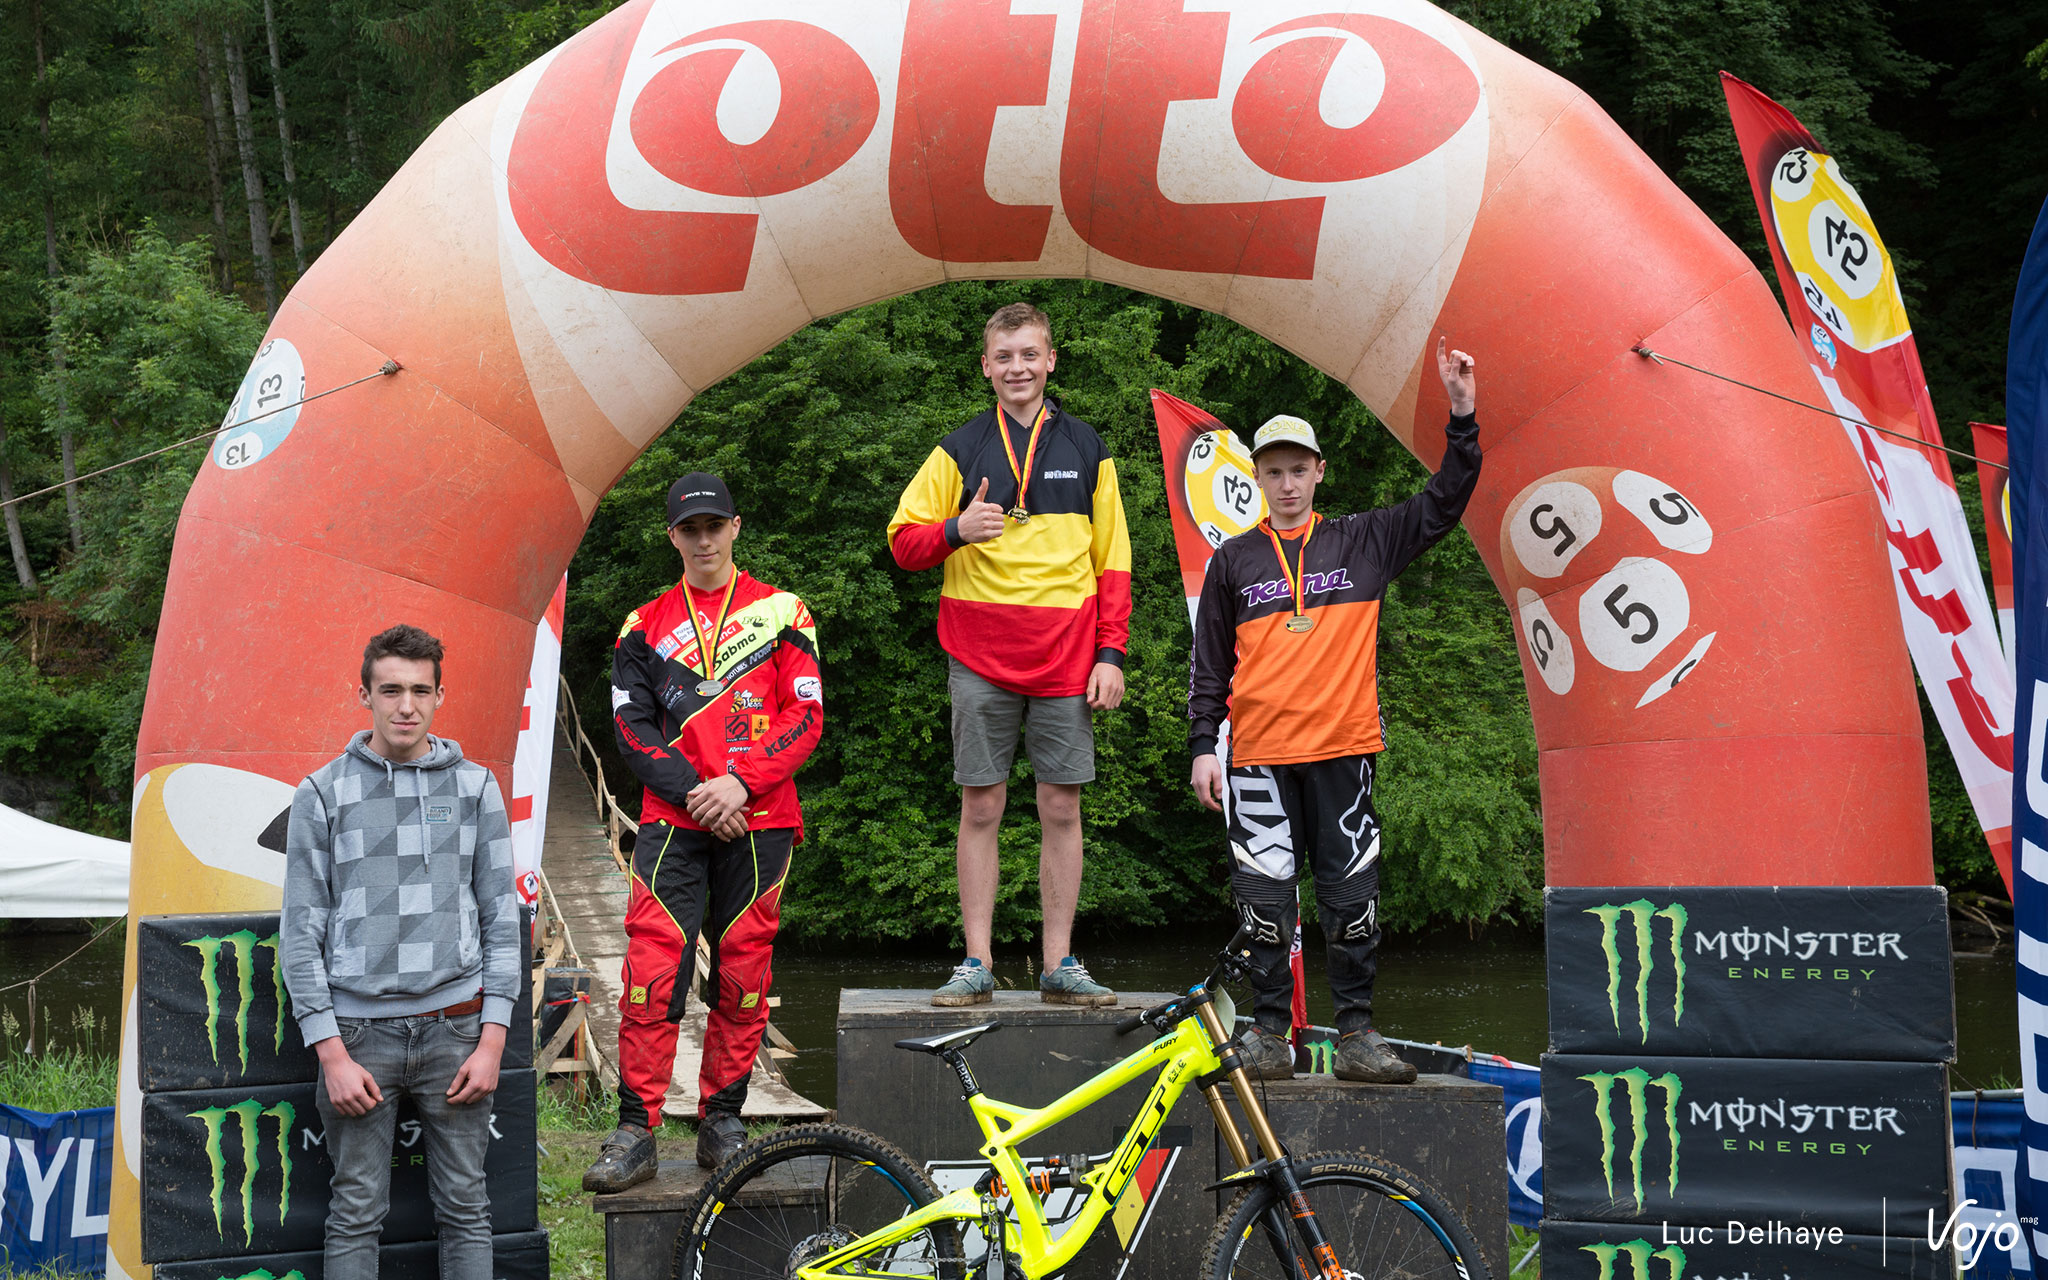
{"points": [[248, 1116], [1636, 1085], [1640, 1254], [243, 945]]}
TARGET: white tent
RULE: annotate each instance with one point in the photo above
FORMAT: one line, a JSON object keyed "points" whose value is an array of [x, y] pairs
{"points": [[47, 870]]}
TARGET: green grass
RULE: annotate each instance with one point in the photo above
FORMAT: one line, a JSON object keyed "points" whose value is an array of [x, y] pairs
{"points": [[1520, 1241], [59, 1080]]}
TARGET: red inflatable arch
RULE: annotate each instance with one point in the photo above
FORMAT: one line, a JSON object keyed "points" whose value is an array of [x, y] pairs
{"points": [[1714, 661]]}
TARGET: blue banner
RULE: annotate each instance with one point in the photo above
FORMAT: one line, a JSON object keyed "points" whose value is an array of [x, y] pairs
{"points": [[2026, 422], [1521, 1095], [55, 1174]]}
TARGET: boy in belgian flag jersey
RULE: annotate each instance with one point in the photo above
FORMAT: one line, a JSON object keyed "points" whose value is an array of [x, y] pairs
{"points": [[1287, 647], [716, 701], [1021, 507]]}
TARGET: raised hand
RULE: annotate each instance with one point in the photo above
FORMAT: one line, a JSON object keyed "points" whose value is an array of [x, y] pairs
{"points": [[982, 521], [1455, 368]]}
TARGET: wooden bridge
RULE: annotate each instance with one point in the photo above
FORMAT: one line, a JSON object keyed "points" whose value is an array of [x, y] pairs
{"points": [[583, 904]]}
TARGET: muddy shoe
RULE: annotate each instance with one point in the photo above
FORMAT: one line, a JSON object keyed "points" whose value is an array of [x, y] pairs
{"points": [[1366, 1056], [971, 983], [1267, 1056], [719, 1135], [1070, 984], [625, 1158]]}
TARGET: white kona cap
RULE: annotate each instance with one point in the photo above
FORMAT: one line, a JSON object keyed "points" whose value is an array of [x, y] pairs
{"points": [[1285, 428]]}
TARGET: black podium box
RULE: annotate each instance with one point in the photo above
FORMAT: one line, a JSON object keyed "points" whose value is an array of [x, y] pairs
{"points": [[1763, 1248], [517, 1256]]}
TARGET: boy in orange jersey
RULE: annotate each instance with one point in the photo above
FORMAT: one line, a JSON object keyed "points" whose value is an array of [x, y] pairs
{"points": [[1021, 507], [1287, 647], [716, 701]]}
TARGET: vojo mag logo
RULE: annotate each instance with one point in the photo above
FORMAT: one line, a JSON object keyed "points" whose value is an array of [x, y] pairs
{"points": [[242, 946], [243, 1123], [1634, 1088], [1643, 915], [265, 1273], [1640, 1253]]}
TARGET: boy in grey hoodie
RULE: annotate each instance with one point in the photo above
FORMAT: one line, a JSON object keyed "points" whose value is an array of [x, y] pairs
{"points": [[400, 948]]}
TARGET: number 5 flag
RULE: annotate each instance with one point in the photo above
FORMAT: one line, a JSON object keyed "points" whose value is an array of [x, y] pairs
{"points": [[1844, 301]]}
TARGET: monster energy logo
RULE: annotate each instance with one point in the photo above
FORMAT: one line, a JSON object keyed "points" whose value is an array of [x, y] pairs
{"points": [[1639, 1254], [1322, 1057], [1642, 913], [248, 1115], [1636, 1084], [243, 946], [264, 1273]]}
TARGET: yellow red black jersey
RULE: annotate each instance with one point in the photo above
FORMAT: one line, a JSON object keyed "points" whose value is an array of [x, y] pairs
{"points": [[1034, 610], [1300, 695], [763, 722]]}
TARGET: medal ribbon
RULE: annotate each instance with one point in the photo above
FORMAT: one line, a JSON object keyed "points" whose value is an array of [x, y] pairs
{"points": [[705, 648], [1021, 474], [1294, 575]]}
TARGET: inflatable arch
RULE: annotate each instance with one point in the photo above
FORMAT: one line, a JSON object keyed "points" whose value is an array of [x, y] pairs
{"points": [[1720, 690]]}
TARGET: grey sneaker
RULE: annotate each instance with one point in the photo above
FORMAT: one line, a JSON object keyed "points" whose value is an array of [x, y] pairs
{"points": [[971, 983], [1267, 1056], [1070, 984], [624, 1159], [1367, 1057]]}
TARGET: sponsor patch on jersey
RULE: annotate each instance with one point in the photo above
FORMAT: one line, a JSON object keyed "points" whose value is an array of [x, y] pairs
{"points": [[807, 689], [441, 814], [759, 725], [738, 729], [1063, 475], [620, 697], [746, 700]]}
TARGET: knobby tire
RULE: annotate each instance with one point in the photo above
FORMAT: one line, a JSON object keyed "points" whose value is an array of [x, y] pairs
{"points": [[810, 1188], [1383, 1222]]}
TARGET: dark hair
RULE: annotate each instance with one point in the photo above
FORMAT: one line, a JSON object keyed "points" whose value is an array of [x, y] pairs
{"points": [[402, 641], [1014, 317]]}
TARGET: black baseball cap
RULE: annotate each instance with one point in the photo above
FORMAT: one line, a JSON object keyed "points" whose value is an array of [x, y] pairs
{"points": [[698, 493]]}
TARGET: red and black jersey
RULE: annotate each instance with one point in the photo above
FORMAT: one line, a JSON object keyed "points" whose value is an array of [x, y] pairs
{"points": [[1294, 696], [1036, 609], [763, 723]]}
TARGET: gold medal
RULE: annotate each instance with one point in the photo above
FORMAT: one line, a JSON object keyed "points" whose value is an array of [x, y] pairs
{"points": [[1298, 622], [1021, 473]]}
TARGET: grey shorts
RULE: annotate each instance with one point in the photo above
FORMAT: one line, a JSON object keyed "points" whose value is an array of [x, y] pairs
{"points": [[1059, 737]]}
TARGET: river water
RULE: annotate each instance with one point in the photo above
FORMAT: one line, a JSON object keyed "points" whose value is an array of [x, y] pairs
{"points": [[1487, 993]]}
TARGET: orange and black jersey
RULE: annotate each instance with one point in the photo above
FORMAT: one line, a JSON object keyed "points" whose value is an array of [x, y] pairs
{"points": [[759, 727], [1314, 695], [1036, 609]]}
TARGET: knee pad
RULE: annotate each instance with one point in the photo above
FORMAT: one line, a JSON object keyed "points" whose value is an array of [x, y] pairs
{"points": [[1269, 927], [1352, 922]]}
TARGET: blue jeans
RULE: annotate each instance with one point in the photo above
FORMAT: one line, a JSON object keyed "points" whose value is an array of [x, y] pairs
{"points": [[417, 1056]]}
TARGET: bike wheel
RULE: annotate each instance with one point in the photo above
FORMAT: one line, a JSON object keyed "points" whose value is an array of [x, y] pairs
{"points": [[796, 1195], [1382, 1221]]}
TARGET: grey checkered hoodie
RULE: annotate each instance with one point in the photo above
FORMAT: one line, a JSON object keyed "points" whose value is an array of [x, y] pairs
{"points": [[398, 894]]}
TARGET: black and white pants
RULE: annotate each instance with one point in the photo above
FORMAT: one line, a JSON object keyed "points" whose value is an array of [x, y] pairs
{"points": [[1318, 813]]}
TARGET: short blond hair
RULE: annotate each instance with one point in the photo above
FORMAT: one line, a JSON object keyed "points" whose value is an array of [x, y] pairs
{"points": [[1009, 319]]}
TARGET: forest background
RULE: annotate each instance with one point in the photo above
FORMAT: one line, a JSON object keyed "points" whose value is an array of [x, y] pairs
{"points": [[176, 164]]}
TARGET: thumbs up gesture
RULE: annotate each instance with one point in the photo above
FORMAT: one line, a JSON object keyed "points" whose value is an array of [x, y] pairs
{"points": [[982, 521]]}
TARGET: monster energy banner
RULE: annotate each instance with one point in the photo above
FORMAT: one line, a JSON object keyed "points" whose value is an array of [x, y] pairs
{"points": [[1751, 972], [245, 1171], [519, 1255], [1731, 1248], [1863, 1146], [212, 1007]]}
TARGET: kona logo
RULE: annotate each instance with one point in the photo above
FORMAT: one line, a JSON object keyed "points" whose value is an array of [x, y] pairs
{"points": [[1636, 1085], [1338, 579], [1642, 915], [1640, 1254], [245, 1119], [242, 945]]}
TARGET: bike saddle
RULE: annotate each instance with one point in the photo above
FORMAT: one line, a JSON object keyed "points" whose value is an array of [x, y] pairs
{"points": [[948, 1039]]}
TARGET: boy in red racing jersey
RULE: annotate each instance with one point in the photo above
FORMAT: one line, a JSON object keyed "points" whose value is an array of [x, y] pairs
{"points": [[1287, 646], [716, 701]]}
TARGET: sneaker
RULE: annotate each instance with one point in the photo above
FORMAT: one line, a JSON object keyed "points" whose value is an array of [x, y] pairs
{"points": [[1267, 1056], [719, 1136], [1366, 1056], [625, 1158], [1070, 984], [971, 983]]}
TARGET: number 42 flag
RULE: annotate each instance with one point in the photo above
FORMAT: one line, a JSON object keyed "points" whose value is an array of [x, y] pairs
{"points": [[1843, 298]]}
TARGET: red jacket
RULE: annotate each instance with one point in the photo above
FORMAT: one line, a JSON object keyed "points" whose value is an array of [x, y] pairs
{"points": [[759, 727]]}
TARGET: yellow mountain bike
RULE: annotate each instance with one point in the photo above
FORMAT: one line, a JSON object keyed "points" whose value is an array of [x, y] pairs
{"points": [[825, 1200]]}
